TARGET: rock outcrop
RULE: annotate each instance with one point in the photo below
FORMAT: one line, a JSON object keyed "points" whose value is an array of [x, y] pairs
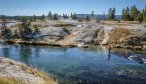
{"points": [[53, 33], [86, 36]]}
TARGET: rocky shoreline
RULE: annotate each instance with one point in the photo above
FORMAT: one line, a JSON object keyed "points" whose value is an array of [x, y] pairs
{"points": [[22, 74]]}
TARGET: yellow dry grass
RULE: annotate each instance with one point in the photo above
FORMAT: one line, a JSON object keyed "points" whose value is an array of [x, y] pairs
{"points": [[117, 34]]}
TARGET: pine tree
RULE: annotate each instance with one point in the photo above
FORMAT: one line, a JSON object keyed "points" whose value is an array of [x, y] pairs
{"points": [[3, 23], [127, 14], [34, 18], [140, 17], [113, 14], [123, 14], [43, 17], [6, 33], [74, 16], [87, 18], [144, 16], [133, 12], [55, 17], [92, 14], [109, 14], [71, 15], [104, 16], [50, 15], [25, 27]]}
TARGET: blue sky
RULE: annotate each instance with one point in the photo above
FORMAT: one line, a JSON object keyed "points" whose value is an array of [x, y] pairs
{"points": [[39, 7]]}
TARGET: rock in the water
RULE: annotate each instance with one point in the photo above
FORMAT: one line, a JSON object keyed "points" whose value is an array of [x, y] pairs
{"points": [[136, 58]]}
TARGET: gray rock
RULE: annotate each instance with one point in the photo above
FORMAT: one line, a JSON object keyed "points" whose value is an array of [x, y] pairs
{"points": [[86, 35], [53, 33]]}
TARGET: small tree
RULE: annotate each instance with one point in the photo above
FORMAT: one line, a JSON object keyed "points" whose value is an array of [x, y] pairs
{"points": [[87, 18], [127, 14], [34, 18], [123, 14], [74, 16], [50, 15], [55, 17], [43, 17], [6, 33], [3, 23], [71, 15], [92, 14], [25, 27], [140, 17], [36, 29], [111, 14], [133, 12]]}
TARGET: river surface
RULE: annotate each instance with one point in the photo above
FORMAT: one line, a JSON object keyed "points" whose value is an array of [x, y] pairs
{"points": [[91, 65]]}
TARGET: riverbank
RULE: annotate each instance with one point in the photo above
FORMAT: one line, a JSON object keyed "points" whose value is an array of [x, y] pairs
{"points": [[129, 35], [56, 44], [12, 72], [43, 43]]}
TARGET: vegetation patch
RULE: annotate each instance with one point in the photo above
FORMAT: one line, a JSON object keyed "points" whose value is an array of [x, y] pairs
{"points": [[117, 34], [4, 80]]}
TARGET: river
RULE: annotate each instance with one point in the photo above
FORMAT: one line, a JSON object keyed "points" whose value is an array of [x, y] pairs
{"points": [[91, 65]]}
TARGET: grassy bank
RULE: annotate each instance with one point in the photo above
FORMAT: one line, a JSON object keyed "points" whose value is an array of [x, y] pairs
{"points": [[12, 72], [9, 81]]}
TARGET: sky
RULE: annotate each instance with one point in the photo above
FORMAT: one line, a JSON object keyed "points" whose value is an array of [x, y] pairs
{"points": [[39, 7]]}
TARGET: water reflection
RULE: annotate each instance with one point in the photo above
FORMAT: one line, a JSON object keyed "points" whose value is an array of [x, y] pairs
{"points": [[6, 52], [25, 54]]}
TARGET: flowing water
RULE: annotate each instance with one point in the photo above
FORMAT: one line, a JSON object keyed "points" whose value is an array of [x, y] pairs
{"points": [[91, 65]]}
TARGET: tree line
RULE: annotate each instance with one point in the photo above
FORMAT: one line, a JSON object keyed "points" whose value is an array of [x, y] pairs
{"points": [[129, 14]]}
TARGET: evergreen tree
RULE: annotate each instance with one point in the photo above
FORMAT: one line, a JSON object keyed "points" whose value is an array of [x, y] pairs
{"points": [[71, 15], [50, 15], [55, 17], [6, 33], [34, 18], [74, 16], [87, 18], [144, 16], [140, 17], [123, 14], [43, 17], [3, 23], [92, 14], [127, 14], [65, 16], [133, 12], [111, 14], [36, 29], [104, 16], [25, 27]]}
